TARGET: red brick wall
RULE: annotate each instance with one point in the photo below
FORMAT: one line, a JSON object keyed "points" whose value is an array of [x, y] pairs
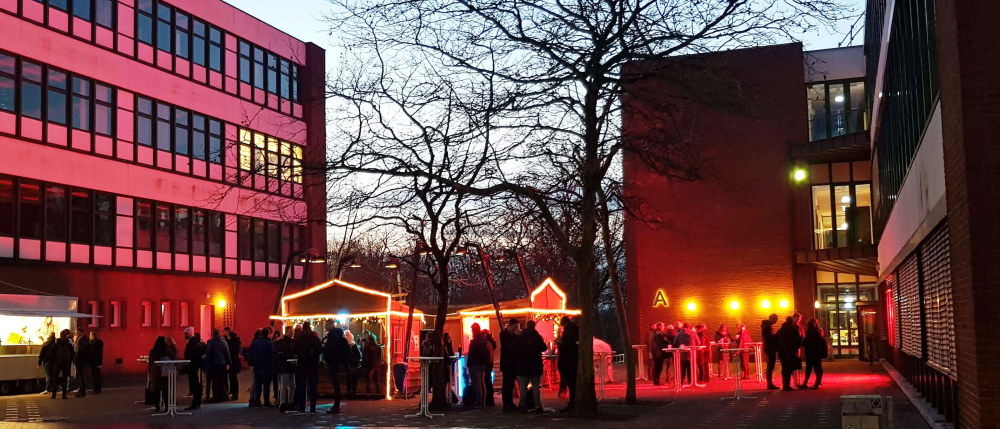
{"points": [[727, 236], [970, 105]]}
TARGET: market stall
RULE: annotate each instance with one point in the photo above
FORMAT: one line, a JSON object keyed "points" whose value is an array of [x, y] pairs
{"points": [[359, 310], [25, 322]]}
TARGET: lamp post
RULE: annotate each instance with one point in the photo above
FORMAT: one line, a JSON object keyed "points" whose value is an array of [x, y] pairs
{"points": [[350, 260], [309, 256], [485, 258]]}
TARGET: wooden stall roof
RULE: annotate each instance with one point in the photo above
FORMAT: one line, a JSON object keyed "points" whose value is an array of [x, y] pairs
{"points": [[339, 298]]}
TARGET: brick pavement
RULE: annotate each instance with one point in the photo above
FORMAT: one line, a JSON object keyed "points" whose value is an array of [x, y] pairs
{"points": [[692, 409]]}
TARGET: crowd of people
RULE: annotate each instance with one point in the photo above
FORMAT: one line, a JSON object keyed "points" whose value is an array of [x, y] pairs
{"points": [[68, 359], [790, 344], [285, 364]]}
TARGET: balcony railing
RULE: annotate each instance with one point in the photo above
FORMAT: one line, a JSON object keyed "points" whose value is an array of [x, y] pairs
{"points": [[837, 124]]}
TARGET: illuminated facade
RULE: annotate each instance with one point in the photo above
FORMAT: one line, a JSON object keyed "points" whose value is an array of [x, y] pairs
{"points": [[152, 164], [780, 220]]}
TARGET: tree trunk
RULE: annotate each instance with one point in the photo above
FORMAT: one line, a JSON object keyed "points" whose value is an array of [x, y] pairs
{"points": [[609, 255], [440, 399]]}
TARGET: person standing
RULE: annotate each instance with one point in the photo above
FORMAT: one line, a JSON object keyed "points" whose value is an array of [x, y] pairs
{"points": [[669, 333], [97, 359], [157, 381], [449, 360], [194, 351], [308, 347], [743, 341], [705, 354], [273, 336], [508, 364], [261, 360], [529, 347], [83, 360], [770, 346], [286, 370], [815, 347], [490, 401], [656, 345], [337, 354], [371, 362], [723, 340], [797, 320], [685, 337], [353, 366], [568, 358], [219, 360], [236, 365], [46, 360], [789, 343], [479, 355], [62, 361]]}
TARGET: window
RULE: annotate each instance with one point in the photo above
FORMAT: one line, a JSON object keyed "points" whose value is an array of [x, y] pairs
{"points": [[297, 164], [199, 43], [92, 308], [272, 157], [198, 232], [258, 68], [104, 13], [836, 109], [145, 21], [144, 121], [181, 30], [147, 314], [298, 242], [81, 103], [286, 242], [163, 27], [246, 158], [80, 216], [58, 4], [215, 49], [30, 209], [103, 106], [841, 201], [216, 233], [244, 67], [285, 77], [104, 219], [116, 314], [163, 226], [165, 314], [163, 126], [143, 225], [198, 136], [259, 249], [6, 206], [181, 224], [6, 83], [56, 106], [259, 157], [295, 82], [272, 73], [31, 90], [273, 240], [184, 313], [181, 131], [215, 141], [243, 238], [81, 9], [55, 213]]}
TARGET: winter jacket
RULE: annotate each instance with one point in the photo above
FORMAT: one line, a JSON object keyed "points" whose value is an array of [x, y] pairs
{"points": [[508, 358], [307, 348], [569, 344], [657, 344], [815, 345], [721, 342], [743, 339], [217, 353], [261, 354], [529, 347], [62, 356], [284, 351], [683, 339], [479, 351], [768, 337], [336, 351], [194, 351], [97, 352], [789, 343], [234, 344], [46, 356], [371, 355], [84, 355]]}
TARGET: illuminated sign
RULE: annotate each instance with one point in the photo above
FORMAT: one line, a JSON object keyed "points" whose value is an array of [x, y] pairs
{"points": [[660, 300]]}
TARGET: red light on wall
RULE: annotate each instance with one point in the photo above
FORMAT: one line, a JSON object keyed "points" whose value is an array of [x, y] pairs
{"points": [[890, 316]]}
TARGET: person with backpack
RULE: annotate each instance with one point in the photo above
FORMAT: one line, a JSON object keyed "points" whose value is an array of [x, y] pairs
{"points": [[285, 350], [194, 351], [479, 359], [82, 360], [63, 356], [47, 360], [815, 347], [529, 346]]}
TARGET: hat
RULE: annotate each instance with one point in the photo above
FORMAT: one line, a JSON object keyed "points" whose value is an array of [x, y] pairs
{"points": [[189, 331]]}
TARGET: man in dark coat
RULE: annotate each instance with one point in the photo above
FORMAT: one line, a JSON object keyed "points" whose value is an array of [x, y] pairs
{"points": [[479, 359], [97, 359], [236, 365], [194, 351], [508, 363], [219, 360], [788, 349], [82, 361], [46, 360], [657, 342], [261, 360], [63, 357], [770, 347], [530, 346], [307, 347], [337, 354], [569, 344]]}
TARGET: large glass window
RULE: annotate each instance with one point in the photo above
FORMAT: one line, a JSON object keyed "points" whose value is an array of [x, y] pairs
{"points": [[836, 109], [215, 49], [143, 225], [81, 9], [841, 204], [56, 105], [163, 227], [164, 41], [31, 90], [7, 206], [103, 108], [104, 13], [81, 104], [199, 237], [80, 216], [30, 209], [839, 296], [6, 83], [145, 21], [104, 220], [55, 213], [216, 233], [182, 222]]}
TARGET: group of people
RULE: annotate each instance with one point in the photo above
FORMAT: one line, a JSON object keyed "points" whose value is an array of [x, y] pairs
{"points": [[521, 362], [60, 356], [286, 364], [791, 344], [682, 334]]}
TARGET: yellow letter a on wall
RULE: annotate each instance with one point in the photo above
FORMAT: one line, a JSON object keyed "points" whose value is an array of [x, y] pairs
{"points": [[660, 300]]}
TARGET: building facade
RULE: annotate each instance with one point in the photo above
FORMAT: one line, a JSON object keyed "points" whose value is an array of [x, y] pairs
{"points": [[777, 217], [152, 164]]}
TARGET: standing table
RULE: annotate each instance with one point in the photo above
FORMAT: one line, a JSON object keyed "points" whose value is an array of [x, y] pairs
{"points": [[738, 391], [676, 352], [641, 351], [425, 362], [169, 368], [144, 359], [758, 357], [694, 365], [602, 371]]}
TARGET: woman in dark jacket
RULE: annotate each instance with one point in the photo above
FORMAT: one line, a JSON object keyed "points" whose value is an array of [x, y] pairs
{"points": [[157, 382], [743, 341], [815, 347], [530, 346], [705, 354], [723, 340], [789, 342]]}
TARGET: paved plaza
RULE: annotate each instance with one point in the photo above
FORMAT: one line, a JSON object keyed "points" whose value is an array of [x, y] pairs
{"points": [[658, 408]]}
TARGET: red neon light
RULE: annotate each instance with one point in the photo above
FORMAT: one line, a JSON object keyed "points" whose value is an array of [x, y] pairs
{"points": [[890, 315]]}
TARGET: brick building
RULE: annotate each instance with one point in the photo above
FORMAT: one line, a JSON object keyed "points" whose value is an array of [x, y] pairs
{"points": [[152, 164], [779, 217]]}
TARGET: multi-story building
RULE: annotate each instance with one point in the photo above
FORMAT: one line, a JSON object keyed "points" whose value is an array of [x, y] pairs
{"points": [[777, 217], [152, 157], [937, 179]]}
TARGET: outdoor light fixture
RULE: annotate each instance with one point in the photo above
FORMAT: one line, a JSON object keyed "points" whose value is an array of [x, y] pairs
{"points": [[765, 304], [735, 305], [392, 263], [691, 306], [846, 199], [839, 98], [816, 304], [221, 303], [783, 303], [355, 265], [799, 175]]}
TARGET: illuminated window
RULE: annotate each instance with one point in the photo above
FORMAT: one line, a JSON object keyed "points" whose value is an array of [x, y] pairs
{"points": [[115, 314], [841, 204], [147, 314], [165, 314], [92, 309], [297, 164], [836, 109], [272, 157], [246, 159], [259, 157], [184, 315]]}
